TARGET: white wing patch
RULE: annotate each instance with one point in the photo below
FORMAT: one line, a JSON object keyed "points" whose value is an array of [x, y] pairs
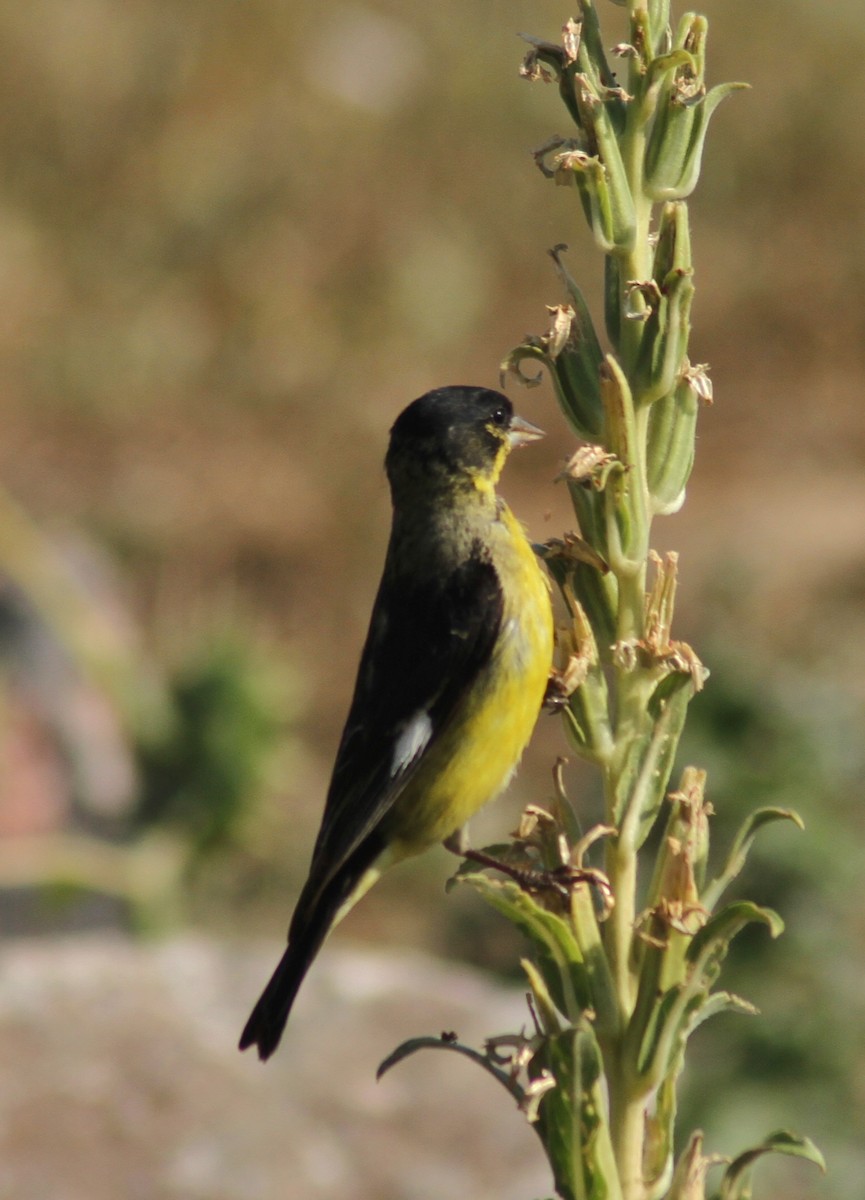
{"points": [[412, 741]]}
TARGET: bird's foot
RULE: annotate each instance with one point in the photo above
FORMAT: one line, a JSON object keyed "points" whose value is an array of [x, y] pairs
{"points": [[561, 880]]}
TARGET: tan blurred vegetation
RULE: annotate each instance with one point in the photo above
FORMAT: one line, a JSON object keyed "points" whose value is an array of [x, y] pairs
{"points": [[236, 238]]}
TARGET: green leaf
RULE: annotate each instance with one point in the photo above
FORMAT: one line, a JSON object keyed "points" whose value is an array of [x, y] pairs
{"points": [[740, 848], [645, 773], [720, 1002], [547, 1012], [505, 1078], [667, 1032], [572, 1122], [660, 1131], [559, 957], [681, 1010], [724, 926], [587, 718], [709, 946], [666, 64], [736, 1184]]}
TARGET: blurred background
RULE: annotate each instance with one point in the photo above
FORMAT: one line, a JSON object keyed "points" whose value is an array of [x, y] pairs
{"points": [[236, 238]]}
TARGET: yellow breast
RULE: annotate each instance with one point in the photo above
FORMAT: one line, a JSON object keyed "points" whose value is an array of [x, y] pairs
{"points": [[475, 758]]}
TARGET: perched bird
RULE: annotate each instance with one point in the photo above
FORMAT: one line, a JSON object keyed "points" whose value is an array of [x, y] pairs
{"points": [[451, 679]]}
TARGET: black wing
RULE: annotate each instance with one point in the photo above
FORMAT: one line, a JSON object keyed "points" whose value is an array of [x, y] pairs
{"points": [[424, 650]]}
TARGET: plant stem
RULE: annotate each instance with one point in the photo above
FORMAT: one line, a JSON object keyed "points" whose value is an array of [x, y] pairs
{"points": [[621, 866], [626, 1130]]}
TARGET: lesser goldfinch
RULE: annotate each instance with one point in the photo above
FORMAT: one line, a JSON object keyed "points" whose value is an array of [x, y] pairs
{"points": [[451, 678]]}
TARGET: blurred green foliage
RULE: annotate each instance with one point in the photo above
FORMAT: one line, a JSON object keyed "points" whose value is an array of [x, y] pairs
{"points": [[206, 774], [770, 734]]}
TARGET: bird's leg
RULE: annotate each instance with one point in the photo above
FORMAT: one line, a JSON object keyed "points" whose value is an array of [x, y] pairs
{"points": [[560, 880], [458, 843]]}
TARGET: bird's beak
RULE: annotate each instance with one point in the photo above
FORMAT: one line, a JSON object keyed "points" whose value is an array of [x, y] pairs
{"points": [[520, 432]]}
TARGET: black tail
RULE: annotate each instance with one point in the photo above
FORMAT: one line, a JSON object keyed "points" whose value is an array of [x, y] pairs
{"points": [[317, 910], [267, 1020]]}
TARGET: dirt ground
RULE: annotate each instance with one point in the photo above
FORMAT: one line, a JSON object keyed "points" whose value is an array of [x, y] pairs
{"points": [[121, 1079]]}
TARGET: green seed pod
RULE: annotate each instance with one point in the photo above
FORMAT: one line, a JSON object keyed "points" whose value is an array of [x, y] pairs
{"points": [[572, 354], [587, 717], [670, 446], [584, 579], [576, 363], [673, 247], [674, 149], [587, 713], [613, 300], [619, 407], [598, 170], [668, 295], [627, 518], [660, 71], [590, 176], [575, 377], [674, 152], [677, 85], [590, 509], [665, 338], [668, 146], [597, 594], [584, 44], [659, 22]]}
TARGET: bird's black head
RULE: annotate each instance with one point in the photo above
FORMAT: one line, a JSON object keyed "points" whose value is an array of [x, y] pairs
{"points": [[455, 434]]}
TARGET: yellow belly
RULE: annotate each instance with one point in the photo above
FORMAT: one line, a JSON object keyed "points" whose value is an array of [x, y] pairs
{"points": [[477, 754]]}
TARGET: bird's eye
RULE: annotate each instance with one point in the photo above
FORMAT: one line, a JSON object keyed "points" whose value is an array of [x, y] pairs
{"points": [[500, 417]]}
